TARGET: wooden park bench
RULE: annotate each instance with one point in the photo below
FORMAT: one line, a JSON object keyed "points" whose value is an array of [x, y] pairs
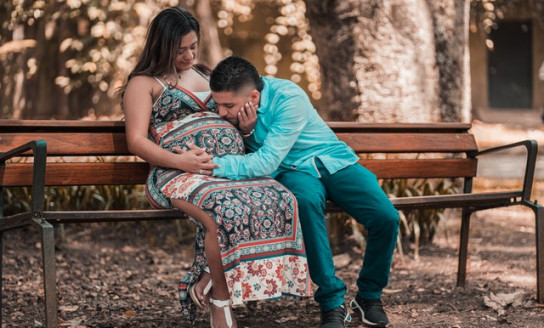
{"points": [[412, 151]]}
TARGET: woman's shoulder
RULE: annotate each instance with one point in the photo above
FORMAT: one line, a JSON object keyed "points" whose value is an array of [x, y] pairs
{"points": [[145, 82]]}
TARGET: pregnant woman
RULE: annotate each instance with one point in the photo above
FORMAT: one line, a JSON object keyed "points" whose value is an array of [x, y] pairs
{"points": [[249, 244]]}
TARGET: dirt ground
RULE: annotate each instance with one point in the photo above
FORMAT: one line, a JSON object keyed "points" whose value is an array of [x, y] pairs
{"points": [[125, 275]]}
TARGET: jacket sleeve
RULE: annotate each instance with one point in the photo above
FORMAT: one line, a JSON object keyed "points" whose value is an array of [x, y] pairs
{"points": [[289, 119]]}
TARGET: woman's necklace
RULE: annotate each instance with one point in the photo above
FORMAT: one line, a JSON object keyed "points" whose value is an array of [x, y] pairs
{"points": [[170, 85]]}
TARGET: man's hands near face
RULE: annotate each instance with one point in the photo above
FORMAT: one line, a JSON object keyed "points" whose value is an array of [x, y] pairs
{"points": [[247, 117]]}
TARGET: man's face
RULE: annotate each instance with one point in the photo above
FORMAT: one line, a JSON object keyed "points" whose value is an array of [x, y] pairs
{"points": [[230, 103]]}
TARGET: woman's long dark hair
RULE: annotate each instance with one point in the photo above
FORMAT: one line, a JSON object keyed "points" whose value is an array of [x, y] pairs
{"points": [[162, 43]]}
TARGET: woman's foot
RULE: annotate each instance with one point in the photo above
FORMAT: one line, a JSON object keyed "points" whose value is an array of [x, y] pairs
{"points": [[221, 315], [200, 291]]}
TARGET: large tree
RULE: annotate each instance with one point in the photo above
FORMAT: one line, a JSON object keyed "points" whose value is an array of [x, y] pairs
{"points": [[392, 60]]}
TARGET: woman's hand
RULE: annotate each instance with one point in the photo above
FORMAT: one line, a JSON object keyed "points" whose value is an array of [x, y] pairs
{"points": [[247, 117], [195, 160]]}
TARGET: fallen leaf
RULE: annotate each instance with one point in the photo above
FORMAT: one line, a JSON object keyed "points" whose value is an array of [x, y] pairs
{"points": [[130, 313], [499, 302], [285, 319], [69, 308]]}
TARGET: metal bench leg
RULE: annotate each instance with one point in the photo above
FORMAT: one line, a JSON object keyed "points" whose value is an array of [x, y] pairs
{"points": [[49, 276], [539, 233], [463, 247], [1, 271]]}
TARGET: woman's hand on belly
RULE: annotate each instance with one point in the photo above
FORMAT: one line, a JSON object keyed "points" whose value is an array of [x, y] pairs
{"points": [[195, 160]]}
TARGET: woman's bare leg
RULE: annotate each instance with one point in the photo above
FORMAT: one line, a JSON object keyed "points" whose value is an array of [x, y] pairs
{"points": [[200, 286], [220, 290]]}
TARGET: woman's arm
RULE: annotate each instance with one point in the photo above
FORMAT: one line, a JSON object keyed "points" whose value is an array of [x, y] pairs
{"points": [[138, 102]]}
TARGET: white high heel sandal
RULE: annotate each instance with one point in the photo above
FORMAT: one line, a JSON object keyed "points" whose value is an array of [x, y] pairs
{"points": [[226, 308], [205, 292]]}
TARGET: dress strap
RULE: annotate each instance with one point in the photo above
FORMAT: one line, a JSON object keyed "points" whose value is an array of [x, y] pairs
{"points": [[201, 73], [162, 84]]}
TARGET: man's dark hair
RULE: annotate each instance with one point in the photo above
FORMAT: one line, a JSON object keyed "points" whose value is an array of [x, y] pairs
{"points": [[234, 73]]}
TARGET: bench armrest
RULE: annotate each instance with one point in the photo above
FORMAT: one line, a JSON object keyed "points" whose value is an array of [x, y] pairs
{"points": [[530, 166], [39, 151]]}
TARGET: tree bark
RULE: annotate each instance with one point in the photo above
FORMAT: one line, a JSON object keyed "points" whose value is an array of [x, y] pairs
{"points": [[43, 99], [210, 51], [331, 24], [380, 61], [451, 26]]}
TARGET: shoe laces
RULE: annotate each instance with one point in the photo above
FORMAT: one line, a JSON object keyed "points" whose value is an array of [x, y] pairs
{"points": [[338, 315], [372, 305]]}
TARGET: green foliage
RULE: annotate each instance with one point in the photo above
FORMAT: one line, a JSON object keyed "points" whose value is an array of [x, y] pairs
{"points": [[88, 198], [67, 58], [18, 199], [419, 225], [79, 51], [96, 198]]}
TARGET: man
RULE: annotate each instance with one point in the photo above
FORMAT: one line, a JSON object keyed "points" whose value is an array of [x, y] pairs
{"points": [[289, 141]]}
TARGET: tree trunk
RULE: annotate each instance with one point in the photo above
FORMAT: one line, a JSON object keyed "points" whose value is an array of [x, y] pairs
{"points": [[211, 51], [43, 99], [451, 25], [380, 61], [331, 27]]}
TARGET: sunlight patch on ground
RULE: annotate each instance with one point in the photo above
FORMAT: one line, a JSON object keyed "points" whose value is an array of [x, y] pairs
{"points": [[523, 280], [489, 135], [520, 250]]}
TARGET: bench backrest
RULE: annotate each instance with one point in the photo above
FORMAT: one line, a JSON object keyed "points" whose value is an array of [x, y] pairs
{"points": [[436, 150]]}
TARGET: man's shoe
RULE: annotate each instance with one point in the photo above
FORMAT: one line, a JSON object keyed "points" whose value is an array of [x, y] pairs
{"points": [[371, 311], [335, 318]]}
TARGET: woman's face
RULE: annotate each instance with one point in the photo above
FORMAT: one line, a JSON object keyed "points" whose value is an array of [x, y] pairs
{"points": [[186, 54]]}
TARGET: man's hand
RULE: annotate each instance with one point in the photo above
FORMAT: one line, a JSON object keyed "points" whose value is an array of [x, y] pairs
{"points": [[195, 160], [247, 117]]}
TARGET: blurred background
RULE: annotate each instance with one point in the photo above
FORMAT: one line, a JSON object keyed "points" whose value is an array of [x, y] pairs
{"points": [[372, 61]]}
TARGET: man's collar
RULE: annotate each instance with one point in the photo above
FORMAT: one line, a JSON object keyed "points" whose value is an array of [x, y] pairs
{"points": [[263, 96]]}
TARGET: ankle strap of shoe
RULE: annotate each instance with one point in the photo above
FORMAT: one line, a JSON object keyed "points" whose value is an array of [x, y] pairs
{"points": [[220, 303]]}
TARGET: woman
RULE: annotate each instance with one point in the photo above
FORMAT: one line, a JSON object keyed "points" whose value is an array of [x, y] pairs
{"points": [[248, 233]]}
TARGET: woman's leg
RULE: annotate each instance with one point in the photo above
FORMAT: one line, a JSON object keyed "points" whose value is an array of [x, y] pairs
{"points": [[220, 290]]}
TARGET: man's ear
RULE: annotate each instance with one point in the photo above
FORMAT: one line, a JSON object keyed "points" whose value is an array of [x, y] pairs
{"points": [[254, 96]]}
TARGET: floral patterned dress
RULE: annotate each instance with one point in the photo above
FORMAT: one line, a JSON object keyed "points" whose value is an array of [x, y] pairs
{"points": [[261, 243]]}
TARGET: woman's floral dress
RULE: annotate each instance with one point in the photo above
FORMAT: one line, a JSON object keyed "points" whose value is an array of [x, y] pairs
{"points": [[259, 232]]}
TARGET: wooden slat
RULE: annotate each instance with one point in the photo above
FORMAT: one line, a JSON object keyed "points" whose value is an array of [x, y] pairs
{"points": [[60, 125], [409, 142], [95, 138], [68, 174], [480, 200], [399, 127], [421, 168], [71, 174], [74, 143], [112, 216], [71, 125], [107, 137]]}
